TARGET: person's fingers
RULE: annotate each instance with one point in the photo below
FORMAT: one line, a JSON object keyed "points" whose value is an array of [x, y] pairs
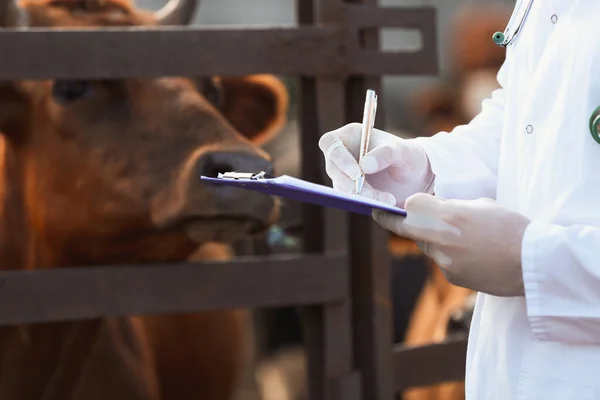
{"points": [[378, 195], [346, 133], [387, 220], [345, 136], [435, 213], [346, 185], [382, 157], [420, 227], [430, 227], [423, 203], [339, 155], [340, 180]]}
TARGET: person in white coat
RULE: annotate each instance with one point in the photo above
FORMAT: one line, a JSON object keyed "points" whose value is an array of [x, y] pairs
{"points": [[520, 187]]}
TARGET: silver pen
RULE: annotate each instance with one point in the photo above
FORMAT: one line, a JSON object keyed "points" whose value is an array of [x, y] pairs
{"points": [[367, 126]]}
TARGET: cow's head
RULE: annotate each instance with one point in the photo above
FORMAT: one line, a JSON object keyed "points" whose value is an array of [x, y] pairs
{"points": [[112, 167]]}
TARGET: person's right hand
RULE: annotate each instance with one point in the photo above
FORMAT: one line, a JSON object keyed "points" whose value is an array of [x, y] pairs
{"points": [[394, 168]]}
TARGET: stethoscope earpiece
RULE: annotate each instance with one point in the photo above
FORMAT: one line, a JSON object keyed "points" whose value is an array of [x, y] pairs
{"points": [[498, 38], [595, 124]]}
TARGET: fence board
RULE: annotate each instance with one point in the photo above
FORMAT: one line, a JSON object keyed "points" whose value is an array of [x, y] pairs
{"points": [[179, 51], [430, 364], [81, 293], [368, 243], [111, 53]]}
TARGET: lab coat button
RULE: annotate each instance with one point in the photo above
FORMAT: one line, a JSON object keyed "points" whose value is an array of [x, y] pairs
{"points": [[529, 129], [554, 18]]}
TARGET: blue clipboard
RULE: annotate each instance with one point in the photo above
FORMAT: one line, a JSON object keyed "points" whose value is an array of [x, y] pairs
{"points": [[297, 189]]}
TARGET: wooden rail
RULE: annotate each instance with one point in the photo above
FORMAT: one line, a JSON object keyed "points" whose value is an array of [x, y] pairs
{"points": [[110, 53], [430, 364], [92, 292]]}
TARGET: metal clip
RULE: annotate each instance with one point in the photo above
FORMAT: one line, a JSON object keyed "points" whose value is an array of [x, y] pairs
{"points": [[235, 175], [243, 175]]}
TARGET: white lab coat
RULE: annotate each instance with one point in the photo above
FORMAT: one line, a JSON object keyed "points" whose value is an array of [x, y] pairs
{"points": [[530, 148]]}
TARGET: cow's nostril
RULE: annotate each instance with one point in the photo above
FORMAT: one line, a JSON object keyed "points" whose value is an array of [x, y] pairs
{"points": [[211, 164], [213, 170]]}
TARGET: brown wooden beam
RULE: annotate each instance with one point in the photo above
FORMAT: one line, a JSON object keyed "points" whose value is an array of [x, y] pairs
{"points": [[178, 51], [112, 53], [430, 364], [369, 253], [90, 292], [313, 324]]}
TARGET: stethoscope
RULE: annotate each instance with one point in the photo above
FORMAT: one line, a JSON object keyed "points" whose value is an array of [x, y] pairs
{"points": [[595, 124], [506, 38]]}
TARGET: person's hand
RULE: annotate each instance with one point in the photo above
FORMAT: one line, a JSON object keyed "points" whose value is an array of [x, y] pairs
{"points": [[476, 243], [394, 168]]}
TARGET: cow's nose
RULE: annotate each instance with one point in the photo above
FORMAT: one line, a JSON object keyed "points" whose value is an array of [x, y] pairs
{"points": [[213, 163]]}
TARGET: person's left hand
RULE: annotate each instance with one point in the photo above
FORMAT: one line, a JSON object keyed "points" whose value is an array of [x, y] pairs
{"points": [[476, 243]]}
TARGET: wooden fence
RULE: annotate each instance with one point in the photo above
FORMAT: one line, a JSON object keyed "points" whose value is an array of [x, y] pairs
{"points": [[341, 281]]}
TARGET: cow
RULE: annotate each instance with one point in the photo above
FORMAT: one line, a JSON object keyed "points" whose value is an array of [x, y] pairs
{"points": [[106, 172]]}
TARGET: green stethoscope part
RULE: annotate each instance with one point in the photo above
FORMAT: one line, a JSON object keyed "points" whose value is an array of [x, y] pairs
{"points": [[595, 124], [498, 38], [506, 38]]}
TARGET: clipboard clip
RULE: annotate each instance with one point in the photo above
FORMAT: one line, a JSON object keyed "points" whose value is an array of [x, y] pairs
{"points": [[244, 175]]}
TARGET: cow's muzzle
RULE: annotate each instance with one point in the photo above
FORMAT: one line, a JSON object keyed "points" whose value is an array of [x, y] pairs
{"points": [[216, 212]]}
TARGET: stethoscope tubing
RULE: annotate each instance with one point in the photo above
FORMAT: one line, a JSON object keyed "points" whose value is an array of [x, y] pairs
{"points": [[508, 37]]}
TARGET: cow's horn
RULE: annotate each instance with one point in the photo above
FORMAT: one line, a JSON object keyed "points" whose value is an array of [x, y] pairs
{"points": [[11, 15], [177, 12]]}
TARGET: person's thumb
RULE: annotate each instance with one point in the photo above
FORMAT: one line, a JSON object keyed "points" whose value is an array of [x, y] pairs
{"points": [[425, 211], [423, 203], [381, 157]]}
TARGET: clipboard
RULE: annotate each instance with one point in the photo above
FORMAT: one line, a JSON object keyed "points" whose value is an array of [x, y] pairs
{"points": [[297, 189]]}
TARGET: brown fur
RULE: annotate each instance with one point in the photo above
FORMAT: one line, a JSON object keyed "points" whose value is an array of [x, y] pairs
{"points": [[111, 178]]}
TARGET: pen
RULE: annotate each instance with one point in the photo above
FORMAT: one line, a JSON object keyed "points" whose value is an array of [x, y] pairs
{"points": [[367, 125]]}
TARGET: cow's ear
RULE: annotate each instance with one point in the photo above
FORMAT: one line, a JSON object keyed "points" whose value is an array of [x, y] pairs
{"points": [[14, 106], [255, 105]]}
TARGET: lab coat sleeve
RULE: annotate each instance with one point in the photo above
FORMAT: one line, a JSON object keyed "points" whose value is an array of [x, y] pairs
{"points": [[465, 160], [563, 303]]}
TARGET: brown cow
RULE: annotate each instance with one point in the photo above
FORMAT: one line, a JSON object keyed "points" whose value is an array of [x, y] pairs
{"points": [[107, 172]]}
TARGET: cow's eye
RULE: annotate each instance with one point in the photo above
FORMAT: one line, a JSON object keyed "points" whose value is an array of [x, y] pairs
{"points": [[65, 92]]}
